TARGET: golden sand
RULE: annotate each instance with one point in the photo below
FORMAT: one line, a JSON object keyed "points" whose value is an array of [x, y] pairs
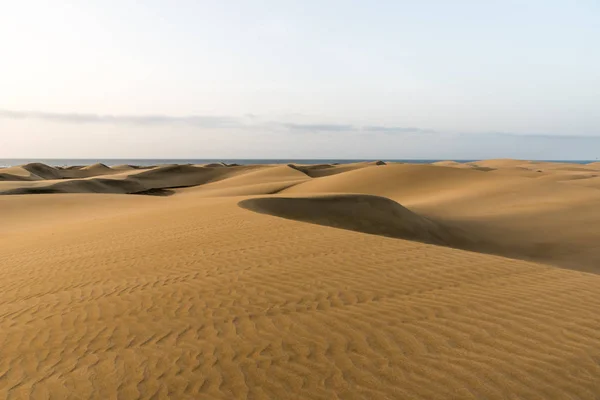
{"points": [[360, 281]]}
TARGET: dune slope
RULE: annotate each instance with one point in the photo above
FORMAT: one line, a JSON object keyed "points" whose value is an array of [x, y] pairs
{"points": [[362, 213]]}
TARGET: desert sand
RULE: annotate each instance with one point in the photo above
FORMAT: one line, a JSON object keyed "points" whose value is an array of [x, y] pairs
{"points": [[358, 281]]}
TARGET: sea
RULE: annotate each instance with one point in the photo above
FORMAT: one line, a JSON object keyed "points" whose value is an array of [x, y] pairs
{"points": [[60, 162]]}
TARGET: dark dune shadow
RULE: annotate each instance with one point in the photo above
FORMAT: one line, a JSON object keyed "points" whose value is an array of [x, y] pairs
{"points": [[156, 192], [363, 213]]}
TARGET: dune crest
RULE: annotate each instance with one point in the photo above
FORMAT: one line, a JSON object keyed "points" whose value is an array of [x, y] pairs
{"points": [[97, 168]]}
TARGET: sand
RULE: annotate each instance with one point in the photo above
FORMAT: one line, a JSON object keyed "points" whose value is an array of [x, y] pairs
{"points": [[362, 281]]}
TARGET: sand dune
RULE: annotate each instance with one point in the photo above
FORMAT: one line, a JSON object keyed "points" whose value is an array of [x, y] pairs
{"points": [[97, 169], [408, 180], [14, 175], [127, 167], [516, 216], [99, 178], [312, 282], [42, 171], [179, 175], [256, 175], [316, 171], [39, 171], [454, 164], [250, 181], [98, 185], [34, 171], [498, 163]]}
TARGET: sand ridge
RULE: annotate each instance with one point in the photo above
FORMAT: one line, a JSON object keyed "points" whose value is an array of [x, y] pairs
{"points": [[266, 282]]}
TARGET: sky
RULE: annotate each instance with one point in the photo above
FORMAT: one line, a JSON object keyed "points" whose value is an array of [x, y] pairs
{"points": [[387, 79]]}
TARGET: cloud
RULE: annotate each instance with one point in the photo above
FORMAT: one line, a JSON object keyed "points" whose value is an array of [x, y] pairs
{"points": [[251, 121], [545, 136], [195, 120], [319, 127], [396, 129], [353, 128], [207, 121]]}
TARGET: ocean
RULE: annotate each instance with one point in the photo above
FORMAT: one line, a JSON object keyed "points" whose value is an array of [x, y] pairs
{"points": [[59, 162]]}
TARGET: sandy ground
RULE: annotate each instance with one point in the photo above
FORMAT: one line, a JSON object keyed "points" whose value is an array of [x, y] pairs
{"points": [[361, 281]]}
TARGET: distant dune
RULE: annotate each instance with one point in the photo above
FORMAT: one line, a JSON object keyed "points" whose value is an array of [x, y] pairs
{"points": [[34, 171], [316, 171], [372, 280]]}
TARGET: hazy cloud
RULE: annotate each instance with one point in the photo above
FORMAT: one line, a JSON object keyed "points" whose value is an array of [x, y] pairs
{"points": [[249, 121], [207, 121], [396, 129], [319, 127], [201, 121], [545, 136], [353, 128]]}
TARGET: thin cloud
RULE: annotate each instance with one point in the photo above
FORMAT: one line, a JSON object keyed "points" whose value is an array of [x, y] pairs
{"points": [[206, 121], [545, 135], [195, 120], [396, 129], [251, 121], [319, 127], [353, 128]]}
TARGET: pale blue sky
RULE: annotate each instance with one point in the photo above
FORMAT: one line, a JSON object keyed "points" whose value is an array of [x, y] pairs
{"points": [[279, 79]]}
